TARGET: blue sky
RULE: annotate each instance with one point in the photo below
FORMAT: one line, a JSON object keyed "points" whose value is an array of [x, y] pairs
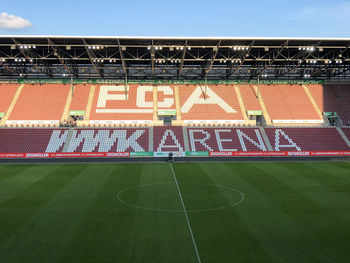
{"points": [[251, 18]]}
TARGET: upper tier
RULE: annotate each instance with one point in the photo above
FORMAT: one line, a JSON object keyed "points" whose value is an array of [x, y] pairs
{"points": [[192, 104]]}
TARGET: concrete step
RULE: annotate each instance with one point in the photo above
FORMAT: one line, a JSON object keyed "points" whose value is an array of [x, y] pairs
{"points": [[150, 140], [65, 114], [68, 140], [266, 139], [186, 144], [313, 102], [155, 104], [89, 104], [241, 104], [263, 107]]}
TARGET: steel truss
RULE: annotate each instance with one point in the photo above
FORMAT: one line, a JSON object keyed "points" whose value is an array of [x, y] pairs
{"points": [[174, 58]]}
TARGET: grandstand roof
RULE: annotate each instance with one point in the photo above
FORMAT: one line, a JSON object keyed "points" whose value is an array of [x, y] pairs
{"points": [[189, 58]]}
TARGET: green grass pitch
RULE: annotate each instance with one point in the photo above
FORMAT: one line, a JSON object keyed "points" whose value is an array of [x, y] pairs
{"points": [[237, 212]]}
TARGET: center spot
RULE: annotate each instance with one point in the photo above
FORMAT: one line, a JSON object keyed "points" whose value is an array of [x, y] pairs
{"points": [[164, 197]]}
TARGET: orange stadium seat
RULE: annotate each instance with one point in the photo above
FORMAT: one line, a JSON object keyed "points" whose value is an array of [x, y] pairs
{"points": [[249, 97], [80, 97], [288, 102], [7, 93], [125, 107], [213, 103], [40, 102], [327, 100]]}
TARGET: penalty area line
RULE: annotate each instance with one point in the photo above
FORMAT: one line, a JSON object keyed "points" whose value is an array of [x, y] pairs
{"points": [[185, 211]]}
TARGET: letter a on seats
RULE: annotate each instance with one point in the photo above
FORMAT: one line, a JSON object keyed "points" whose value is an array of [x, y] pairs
{"points": [[175, 144], [213, 98], [278, 146]]}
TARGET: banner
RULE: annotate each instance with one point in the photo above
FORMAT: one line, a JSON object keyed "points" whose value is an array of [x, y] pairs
{"points": [[176, 154], [254, 112], [76, 112], [2, 114], [167, 112], [297, 121], [141, 154], [166, 154], [290, 154], [197, 153], [12, 155], [77, 155]]}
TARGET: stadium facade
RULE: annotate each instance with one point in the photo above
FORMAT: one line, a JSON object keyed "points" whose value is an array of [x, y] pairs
{"points": [[147, 96]]}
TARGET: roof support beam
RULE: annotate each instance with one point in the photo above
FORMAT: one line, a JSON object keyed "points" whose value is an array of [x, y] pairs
{"points": [[215, 53], [29, 59], [326, 66], [182, 60], [276, 55], [8, 68], [152, 58], [242, 60], [122, 59], [56, 54], [91, 57]]}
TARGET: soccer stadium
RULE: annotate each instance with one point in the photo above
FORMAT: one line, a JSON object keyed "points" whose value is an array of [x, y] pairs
{"points": [[174, 149]]}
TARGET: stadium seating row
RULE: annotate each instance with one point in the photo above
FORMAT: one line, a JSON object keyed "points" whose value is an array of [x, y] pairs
{"points": [[164, 139], [44, 104]]}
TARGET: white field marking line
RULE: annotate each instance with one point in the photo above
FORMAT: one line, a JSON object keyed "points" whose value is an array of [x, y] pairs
{"points": [[188, 221], [180, 210]]}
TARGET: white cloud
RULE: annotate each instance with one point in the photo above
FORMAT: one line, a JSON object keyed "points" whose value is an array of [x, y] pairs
{"points": [[8, 21]]}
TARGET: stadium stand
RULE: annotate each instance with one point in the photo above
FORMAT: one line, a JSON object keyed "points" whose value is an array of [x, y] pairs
{"points": [[176, 138], [188, 95], [328, 99], [249, 96], [101, 140], [225, 139], [131, 103], [38, 103], [214, 104], [7, 92], [168, 139], [346, 132], [166, 97], [26, 140], [80, 97], [288, 104], [306, 139]]}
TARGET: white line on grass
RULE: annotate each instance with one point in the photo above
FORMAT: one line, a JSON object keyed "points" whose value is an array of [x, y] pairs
{"points": [[185, 211]]}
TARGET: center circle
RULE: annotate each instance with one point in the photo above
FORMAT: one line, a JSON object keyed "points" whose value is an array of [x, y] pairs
{"points": [[164, 197]]}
